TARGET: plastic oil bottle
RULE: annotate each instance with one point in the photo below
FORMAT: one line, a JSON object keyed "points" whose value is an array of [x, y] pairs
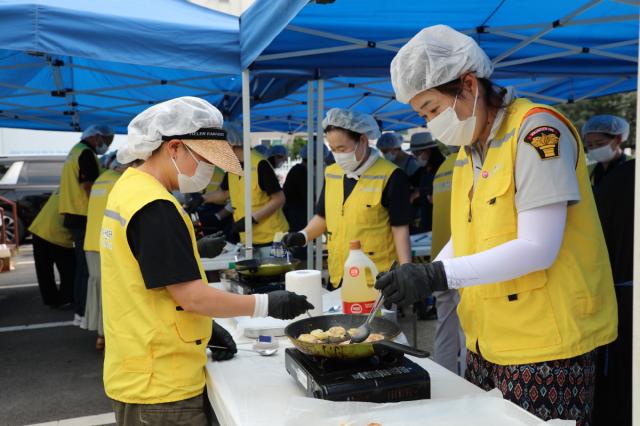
{"points": [[358, 292]]}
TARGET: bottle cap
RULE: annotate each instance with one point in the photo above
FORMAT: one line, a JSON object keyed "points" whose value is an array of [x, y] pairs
{"points": [[354, 245]]}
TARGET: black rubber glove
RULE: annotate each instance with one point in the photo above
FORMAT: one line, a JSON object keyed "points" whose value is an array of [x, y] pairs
{"points": [[411, 282], [238, 226], [211, 245], [287, 305], [195, 201], [221, 337], [293, 240]]}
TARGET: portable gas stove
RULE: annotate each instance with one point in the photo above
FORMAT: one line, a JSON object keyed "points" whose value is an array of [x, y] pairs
{"points": [[242, 284], [393, 378]]}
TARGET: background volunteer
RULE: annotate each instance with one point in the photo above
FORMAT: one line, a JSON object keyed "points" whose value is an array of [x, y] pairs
{"points": [[390, 145], [266, 195], [53, 245], [80, 170], [277, 155], [536, 288], [157, 304], [614, 197], [364, 197], [95, 212], [603, 136], [428, 158]]}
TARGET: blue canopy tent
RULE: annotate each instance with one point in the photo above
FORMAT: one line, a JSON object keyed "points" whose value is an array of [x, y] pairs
{"points": [[65, 64], [552, 52]]}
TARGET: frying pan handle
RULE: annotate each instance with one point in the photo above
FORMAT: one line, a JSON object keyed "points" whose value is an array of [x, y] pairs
{"points": [[401, 348]]}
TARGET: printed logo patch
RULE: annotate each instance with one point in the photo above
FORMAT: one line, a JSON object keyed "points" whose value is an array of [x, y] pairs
{"points": [[545, 140]]}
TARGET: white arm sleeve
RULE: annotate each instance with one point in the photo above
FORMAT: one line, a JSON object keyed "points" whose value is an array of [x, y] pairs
{"points": [[540, 232], [446, 252]]}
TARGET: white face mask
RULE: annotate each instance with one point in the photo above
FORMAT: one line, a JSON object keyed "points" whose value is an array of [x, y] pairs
{"points": [[603, 154], [421, 162], [450, 130], [199, 180], [347, 160], [102, 148], [391, 156]]}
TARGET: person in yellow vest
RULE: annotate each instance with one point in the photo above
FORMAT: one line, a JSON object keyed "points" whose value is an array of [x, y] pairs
{"points": [[603, 136], [365, 197], [157, 306], [526, 251], [428, 157], [95, 212], [448, 343], [267, 198], [53, 246], [80, 170]]}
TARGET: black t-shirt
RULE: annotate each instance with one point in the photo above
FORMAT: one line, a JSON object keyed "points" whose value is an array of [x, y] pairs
{"points": [[395, 197], [160, 242], [599, 172], [614, 199], [295, 192], [267, 179], [89, 170]]}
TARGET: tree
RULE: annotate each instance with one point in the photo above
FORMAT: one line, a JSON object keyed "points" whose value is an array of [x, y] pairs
{"points": [[622, 104], [296, 146]]}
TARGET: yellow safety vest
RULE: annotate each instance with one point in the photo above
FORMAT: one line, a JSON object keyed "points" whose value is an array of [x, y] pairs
{"points": [[48, 224], [561, 312], [73, 198], [441, 220], [156, 350], [216, 180], [262, 232], [361, 217], [97, 203]]}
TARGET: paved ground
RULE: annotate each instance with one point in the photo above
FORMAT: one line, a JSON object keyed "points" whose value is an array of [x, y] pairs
{"points": [[47, 373], [55, 373]]}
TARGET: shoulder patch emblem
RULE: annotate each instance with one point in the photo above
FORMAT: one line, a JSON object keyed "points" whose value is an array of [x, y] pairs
{"points": [[545, 140]]}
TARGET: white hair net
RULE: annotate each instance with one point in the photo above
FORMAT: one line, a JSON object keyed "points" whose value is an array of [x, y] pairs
{"points": [[93, 130], [436, 55], [610, 124], [171, 118], [234, 134], [389, 140], [352, 120]]}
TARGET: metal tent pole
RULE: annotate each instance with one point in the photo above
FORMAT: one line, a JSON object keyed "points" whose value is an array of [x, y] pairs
{"points": [[319, 164], [246, 138], [310, 171], [635, 387]]}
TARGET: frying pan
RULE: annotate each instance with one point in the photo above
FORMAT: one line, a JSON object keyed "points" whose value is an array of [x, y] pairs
{"points": [[266, 267], [349, 351]]}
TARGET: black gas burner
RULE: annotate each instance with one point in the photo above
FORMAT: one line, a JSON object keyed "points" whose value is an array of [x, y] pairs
{"points": [[242, 284], [391, 378]]}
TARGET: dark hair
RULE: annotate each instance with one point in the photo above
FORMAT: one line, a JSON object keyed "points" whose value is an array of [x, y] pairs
{"points": [[493, 94], [354, 136]]}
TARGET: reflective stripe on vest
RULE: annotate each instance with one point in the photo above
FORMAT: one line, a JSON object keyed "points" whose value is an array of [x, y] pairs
{"points": [[48, 224], [95, 210], [73, 198], [264, 231], [362, 217], [441, 221], [156, 351], [562, 312]]}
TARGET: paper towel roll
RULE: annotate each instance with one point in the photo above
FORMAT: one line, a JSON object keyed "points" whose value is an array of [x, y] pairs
{"points": [[309, 283]]}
